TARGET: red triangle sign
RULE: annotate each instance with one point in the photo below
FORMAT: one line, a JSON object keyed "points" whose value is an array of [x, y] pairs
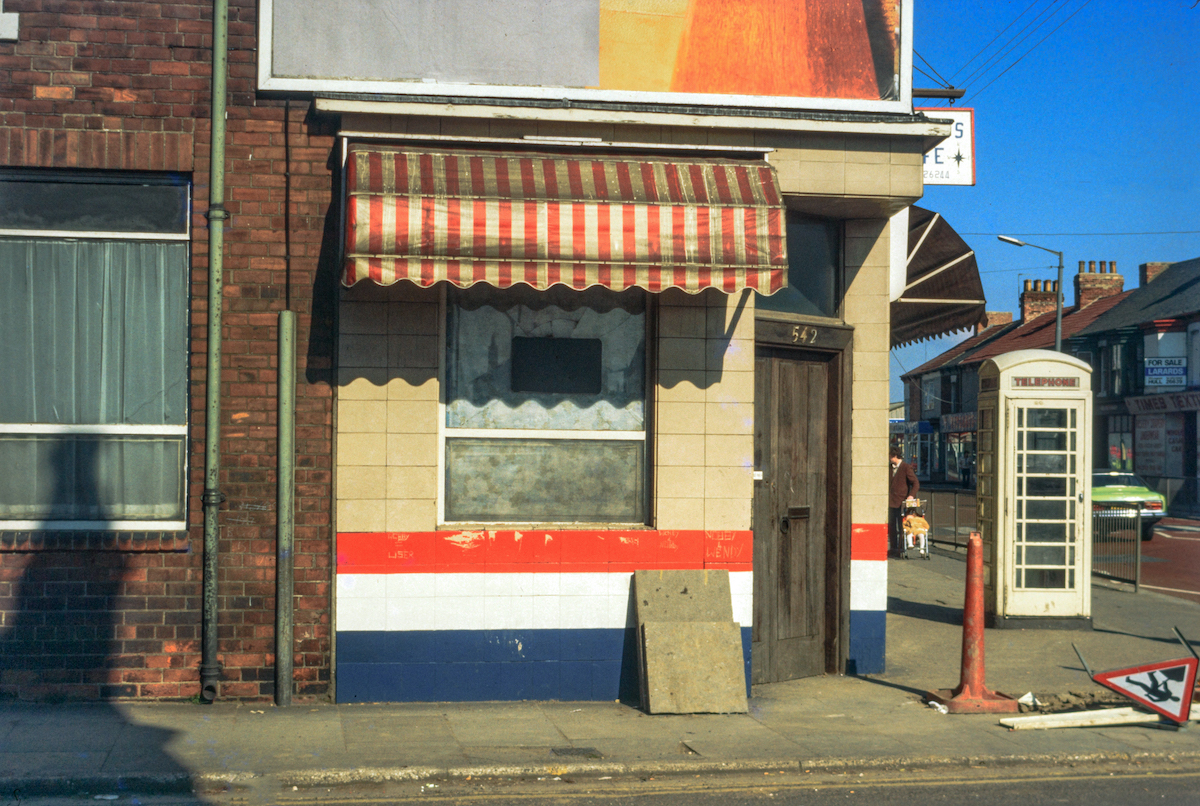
{"points": [[1165, 687]]}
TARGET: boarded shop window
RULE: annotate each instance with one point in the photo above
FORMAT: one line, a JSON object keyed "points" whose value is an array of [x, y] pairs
{"points": [[545, 406], [93, 423], [814, 247]]}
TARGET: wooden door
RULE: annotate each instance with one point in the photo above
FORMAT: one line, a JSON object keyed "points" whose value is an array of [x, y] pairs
{"points": [[793, 446]]}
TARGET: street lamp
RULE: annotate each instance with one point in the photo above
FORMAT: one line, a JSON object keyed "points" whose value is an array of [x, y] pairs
{"points": [[1058, 297]]}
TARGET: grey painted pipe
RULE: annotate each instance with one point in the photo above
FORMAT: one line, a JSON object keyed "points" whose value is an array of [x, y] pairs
{"points": [[210, 669], [285, 524]]}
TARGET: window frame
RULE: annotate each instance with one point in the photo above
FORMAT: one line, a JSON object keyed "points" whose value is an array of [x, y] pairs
{"points": [[445, 432], [113, 429]]}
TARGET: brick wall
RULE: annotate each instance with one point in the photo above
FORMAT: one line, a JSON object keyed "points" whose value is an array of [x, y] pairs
{"points": [[126, 87]]}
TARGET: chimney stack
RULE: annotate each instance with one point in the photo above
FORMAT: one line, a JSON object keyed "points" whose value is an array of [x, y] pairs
{"points": [[1035, 301], [994, 319], [1092, 285], [1148, 271]]}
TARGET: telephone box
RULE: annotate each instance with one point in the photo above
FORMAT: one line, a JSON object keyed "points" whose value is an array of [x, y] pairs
{"points": [[1034, 489]]}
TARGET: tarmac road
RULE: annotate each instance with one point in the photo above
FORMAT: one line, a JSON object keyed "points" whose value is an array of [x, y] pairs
{"points": [[1171, 561]]}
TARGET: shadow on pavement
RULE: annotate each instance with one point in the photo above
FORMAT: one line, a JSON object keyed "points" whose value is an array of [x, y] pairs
{"points": [[928, 612]]}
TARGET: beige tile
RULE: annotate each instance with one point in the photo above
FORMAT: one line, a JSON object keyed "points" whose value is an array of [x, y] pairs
{"points": [[515, 129], [823, 147], [727, 513], [360, 482], [867, 252], [680, 449], [729, 450], [729, 387], [907, 151], [868, 179], [412, 450], [419, 383], [729, 418], [866, 228], [867, 281], [411, 516], [360, 515], [362, 351], [908, 181], [790, 174], [680, 482], [362, 416], [681, 386], [862, 308], [678, 513], [361, 449], [681, 322], [680, 418], [871, 481], [681, 353], [868, 509], [637, 134], [868, 149], [362, 383], [412, 351], [731, 317], [674, 297], [872, 335], [466, 127], [412, 483], [868, 452], [823, 177], [362, 317], [413, 318], [871, 366], [736, 355], [412, 417], [729, 482], [871, 425]]}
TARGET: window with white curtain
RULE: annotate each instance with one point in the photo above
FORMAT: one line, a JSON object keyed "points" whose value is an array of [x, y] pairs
{"points": [[94, 317]]}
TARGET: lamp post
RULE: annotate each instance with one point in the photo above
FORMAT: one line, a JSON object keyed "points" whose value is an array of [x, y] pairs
{"points": [[1058, 296]]}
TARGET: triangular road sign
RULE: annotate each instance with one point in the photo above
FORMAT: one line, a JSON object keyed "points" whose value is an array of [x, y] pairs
{"points": [[1165, 687]]}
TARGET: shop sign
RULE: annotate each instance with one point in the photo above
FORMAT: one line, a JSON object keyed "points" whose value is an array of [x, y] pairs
{"points": [[1166, 371], [1171, 401], [958, 423], [1042, 382]]}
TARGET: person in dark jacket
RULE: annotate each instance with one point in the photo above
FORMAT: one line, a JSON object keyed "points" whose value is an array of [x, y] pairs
{"points": [[903, 486]]}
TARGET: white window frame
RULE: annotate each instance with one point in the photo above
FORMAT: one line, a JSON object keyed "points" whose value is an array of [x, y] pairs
{"points": [[108, 430], [444, 433]]}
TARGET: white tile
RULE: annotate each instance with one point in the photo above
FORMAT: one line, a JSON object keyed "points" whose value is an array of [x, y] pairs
{"points": [[618, 611], [411, 614], [459, 612], [495, 585], [546, 584], [497, 613], [593, 584], [545, 612], [868, 585], [409, 586], [743, 609], [522, 584], [456, 585], [741, 582], [362, 586], [361, 614], [619, 584], [522, 611]]}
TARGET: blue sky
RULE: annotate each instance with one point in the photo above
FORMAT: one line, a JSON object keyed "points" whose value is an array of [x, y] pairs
{"points": [[1094, 132]]}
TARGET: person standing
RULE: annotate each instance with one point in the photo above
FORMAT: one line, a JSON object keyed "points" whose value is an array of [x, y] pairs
{"points": [[903, 487]]}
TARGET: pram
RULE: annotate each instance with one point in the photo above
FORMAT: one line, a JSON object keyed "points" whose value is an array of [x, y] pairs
{"points": [[915, 531]]}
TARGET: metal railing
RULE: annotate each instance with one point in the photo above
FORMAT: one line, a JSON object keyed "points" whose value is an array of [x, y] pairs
{"points": [[951, 516], [1117, 545]]}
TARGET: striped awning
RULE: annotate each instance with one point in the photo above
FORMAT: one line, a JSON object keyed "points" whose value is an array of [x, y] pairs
{"points": [[543, 219]]}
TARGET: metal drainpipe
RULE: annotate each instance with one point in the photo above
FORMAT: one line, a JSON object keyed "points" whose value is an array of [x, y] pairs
{"points": [[285, 507], [210, 670]]}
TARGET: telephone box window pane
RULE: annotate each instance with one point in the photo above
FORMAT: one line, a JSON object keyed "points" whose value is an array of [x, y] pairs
{"points": [[1047, 441], [1045, 533], [1046, 510], [545, 481], [1047, 418], [1045, 555], [1047, 488], [1049, 578], [1047, 463], [556, 366]]}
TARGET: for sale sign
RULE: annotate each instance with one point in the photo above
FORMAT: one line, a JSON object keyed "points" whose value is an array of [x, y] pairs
{"points": [[1166, 371]]}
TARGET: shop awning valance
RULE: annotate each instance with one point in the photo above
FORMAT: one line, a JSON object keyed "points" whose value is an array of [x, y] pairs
{"points": [[504, 218]]}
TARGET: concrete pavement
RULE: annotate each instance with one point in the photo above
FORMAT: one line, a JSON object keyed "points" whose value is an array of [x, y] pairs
{"points": [[824, 723]]}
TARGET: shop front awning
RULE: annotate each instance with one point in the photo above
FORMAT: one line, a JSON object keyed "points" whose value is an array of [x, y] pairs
{"points": [[504, 218], [943, 292]]}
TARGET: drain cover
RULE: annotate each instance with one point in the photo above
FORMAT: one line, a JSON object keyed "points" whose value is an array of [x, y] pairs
{"points": [[581, 752]]}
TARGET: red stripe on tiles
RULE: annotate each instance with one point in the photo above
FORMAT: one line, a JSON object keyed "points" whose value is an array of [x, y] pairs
{"points": [[541, 551], [868, 541]]}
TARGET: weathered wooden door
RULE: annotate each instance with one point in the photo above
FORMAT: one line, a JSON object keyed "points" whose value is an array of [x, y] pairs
{"points": [[791, 514]]}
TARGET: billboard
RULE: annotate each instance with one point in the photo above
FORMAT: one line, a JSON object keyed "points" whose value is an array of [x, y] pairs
{"points": [[834, 54]]}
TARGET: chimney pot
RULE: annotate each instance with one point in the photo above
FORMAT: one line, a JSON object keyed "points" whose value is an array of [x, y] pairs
{"points": [[1104, 267], [1037, 285], [1082, 265], [1028, 285], [1091, 267], [1112, 267]]}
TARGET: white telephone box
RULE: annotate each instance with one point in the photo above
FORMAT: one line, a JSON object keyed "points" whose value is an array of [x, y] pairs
{"points": [[1034, 489]]}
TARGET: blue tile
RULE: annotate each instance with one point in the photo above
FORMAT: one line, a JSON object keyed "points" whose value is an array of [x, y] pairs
{"points": [[574, 680], [404, 682], [354, 682], [606, 680], [868, 642], [514, 681], [543, 680], [592, 644], [747, 637]]}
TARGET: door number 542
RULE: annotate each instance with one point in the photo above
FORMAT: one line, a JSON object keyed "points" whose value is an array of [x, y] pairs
{"points": [[803, 334]]}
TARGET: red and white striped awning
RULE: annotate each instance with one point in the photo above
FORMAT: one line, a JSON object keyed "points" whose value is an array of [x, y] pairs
{"points": [[541, 219]]}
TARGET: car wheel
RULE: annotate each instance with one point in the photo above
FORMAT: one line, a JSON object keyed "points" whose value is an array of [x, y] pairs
{"points": [[1148, 530]]}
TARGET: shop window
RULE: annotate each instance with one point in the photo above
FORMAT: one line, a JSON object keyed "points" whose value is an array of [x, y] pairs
{"points": [[545, 398], [93, 306], [814, 247]]}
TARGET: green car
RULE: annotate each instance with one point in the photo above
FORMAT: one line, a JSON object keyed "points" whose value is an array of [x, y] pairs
{"points": [[1121, 490]]}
